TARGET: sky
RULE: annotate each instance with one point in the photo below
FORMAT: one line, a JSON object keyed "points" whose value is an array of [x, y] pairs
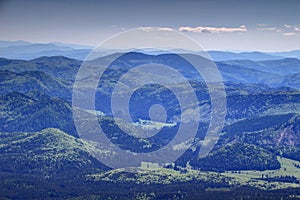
{"points": [[240, 25]]}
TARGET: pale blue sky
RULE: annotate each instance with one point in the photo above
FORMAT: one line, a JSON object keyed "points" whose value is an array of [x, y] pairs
{"points": [[221, 25]]}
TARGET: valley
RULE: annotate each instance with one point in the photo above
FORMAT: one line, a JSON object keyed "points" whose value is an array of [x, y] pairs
{"points": [[257, 152]]}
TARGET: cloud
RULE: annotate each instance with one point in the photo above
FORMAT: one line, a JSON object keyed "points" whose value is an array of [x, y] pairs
{"points": [[290, 29], [208, 29], [286, 29], [149, 28], [289, 34], [262, 25], [268, 29], [165, 29], [287, 26], [297, 28], [294, 27]]}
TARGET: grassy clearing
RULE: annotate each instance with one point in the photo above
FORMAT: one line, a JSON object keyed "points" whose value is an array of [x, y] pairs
{"points": [[234, 178], [249, 177]]}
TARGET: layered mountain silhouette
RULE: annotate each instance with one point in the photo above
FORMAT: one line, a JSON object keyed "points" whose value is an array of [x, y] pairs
{"points": [[27, 50]]}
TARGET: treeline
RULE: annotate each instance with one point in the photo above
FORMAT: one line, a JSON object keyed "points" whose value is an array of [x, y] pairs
{"points": [[297, 166], [31, 187], [237, 157], [284, 179]]}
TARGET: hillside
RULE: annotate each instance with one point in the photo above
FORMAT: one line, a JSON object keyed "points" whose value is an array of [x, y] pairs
{"points": [[27, 81], [34, 111], [237, 157], [40, 144], [49, 153]]}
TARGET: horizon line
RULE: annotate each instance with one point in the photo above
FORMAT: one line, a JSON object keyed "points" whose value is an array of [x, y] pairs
{"points": [[95, 46]]}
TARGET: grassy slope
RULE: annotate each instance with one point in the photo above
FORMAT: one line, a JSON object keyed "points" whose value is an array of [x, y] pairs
{"points": [[230, 178], [249, 177]]}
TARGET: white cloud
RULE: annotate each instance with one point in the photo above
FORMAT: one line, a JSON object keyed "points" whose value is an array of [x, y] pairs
{"points": [[165, 29], [268, 29], [289, 34], [149, 28], [297, 28], [262, 25], [294, 27], [287, 26], [208, 29], [287, 29], [290, 29]]}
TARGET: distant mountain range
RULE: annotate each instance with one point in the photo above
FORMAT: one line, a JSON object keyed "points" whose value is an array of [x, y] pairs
{"points": [[27, 50], [4, 43], [254, 56], [273, 73]]}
